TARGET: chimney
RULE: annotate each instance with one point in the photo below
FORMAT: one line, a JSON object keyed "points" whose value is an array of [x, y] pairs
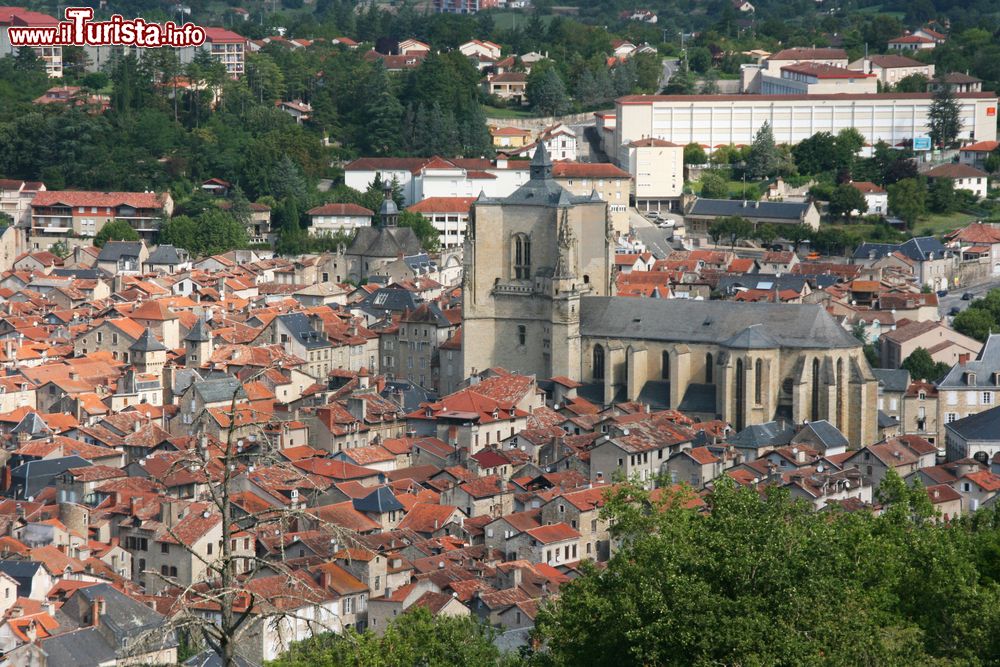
{"points": [[96, 607], [963, 358]]}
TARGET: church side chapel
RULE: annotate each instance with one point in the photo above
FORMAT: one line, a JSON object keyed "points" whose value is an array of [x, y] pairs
{"points": [[539, 298]]}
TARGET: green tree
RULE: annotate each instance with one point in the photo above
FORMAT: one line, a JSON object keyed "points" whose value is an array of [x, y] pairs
{"points": [[976, 323], [815, 154], [179, 231], [763, 160], [382, 113], [218, 232], [941, 196], [944, 118], [923, 367], [845, 200], [907, 199], [546, 91], [914, 83], [732, 229], [714, 186], [766, 233], [413, 638], [422, 227], [796, 234], [116, 230], [694, 154]]}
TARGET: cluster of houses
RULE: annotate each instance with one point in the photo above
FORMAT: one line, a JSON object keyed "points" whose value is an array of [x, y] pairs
{"points": [[416, 487]]}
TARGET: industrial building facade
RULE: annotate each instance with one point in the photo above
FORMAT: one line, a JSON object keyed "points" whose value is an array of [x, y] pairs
{"points": [[719, 120]]}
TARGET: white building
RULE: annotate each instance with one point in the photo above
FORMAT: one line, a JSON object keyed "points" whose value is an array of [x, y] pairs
{"points": [[974, 155], [560, 141], [16, 196], [817, 79], [751, 74], [657, 170], [475, 48], [876, 198], [893, 68], [963, 176], [333, 218], [712, 120], [449, 215], [18, 16], [421, 177]]}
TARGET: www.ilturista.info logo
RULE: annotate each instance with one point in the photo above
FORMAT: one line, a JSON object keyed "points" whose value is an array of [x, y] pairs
{"points": [[79, 30]]}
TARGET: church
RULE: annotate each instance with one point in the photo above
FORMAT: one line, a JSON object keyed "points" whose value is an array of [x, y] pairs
{"points": [[539, 298]]}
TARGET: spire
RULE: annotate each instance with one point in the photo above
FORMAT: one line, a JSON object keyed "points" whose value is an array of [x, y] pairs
{"points": [[541, 164], [199, 332], [389, 212], [147, 343]]}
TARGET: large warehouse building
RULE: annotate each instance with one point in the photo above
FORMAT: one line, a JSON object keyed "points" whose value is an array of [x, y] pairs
{"points": [[719, 120]]}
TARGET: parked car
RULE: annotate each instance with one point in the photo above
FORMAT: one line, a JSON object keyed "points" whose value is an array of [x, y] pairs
{"points": [[942, 293], [955, 310], [968, 296]]}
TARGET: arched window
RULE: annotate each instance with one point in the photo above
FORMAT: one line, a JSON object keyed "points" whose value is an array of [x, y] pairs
{"points": [[840, 393], [522, 257], [598, 362], [741, 393], [708, 368], [665, 372], [815, 390], [758, 380]]}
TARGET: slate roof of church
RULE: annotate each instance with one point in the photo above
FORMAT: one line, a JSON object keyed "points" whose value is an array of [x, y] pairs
{"points": [[682, 320]]}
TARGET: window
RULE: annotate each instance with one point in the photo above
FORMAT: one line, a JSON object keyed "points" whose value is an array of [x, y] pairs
{"points": [[758, 378], [522, 257], [208, 549], [522, 334], [665, 365], [950, 417], [987, 397], [378, 580], [598, 362], [348, 605], [164, 548], [708, 368]]}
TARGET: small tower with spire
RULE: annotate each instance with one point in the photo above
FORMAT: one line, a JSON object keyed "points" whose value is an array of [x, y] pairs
{"points": [[389, 212], [541, 164], [148, 354], [198, 344]]}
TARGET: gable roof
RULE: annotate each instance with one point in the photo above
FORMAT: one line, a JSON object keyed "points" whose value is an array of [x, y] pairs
{"points": [[754, 209], [789, 325]]}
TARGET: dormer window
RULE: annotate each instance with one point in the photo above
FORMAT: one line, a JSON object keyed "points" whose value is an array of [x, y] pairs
{"points": [[970, 378]]}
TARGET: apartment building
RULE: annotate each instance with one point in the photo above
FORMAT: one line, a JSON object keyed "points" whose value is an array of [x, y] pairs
{"points": [[971, 386], [657, 170], [449, 215], [15, 198], [893, 68], [228, 48], [612, 184], [58, 214], [52, 56], [713, 120], [751, 75], [817, 79]]}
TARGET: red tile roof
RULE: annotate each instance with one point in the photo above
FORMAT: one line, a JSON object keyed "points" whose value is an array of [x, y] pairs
{"points": [[556, 532], [93, 198]]}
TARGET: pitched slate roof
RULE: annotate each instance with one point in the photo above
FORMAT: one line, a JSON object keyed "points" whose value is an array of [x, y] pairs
{"points": [[984, 366], [165, 254], [981, 426], [147, 342], [760, 435], [115, 250], [896, 380], [384, 242], [378, 501], [718, 208], [789, 325], [918, 249]]}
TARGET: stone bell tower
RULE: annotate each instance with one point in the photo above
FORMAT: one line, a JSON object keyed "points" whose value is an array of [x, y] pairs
{"points": [[530, 257]]}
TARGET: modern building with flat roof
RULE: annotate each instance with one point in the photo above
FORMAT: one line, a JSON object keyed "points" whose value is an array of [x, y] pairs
{"points": [[719, 120]]}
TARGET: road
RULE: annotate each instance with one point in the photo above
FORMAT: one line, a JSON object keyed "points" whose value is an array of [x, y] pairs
{"points": [[670, 66], [954, 298]]}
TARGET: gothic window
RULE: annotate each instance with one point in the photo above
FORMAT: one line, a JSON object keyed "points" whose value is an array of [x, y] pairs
{"points": [[840, 390], [708, 368], [522, 257], [598, 362], [815, 390], [665, 373], [758, 378], [740, 394], [522, 334]]}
